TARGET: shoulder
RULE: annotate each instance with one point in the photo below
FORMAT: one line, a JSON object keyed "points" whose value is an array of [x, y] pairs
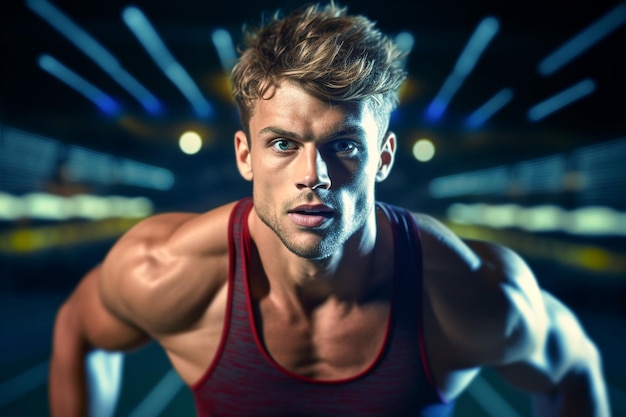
{"points": [[442, 248], [482, 298], [481, 262], [182, 231], [160, 274]]}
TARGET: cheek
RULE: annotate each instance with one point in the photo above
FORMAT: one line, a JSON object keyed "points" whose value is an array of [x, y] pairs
{"points": [[363, 173], [269, 165], [353, 172], [359, 189], [270, 180]]}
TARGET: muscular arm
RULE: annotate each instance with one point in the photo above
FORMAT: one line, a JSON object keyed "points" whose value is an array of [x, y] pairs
{"points": [[564, 372], [485, 308], [96, 314], [83, 323], [156, 281]]}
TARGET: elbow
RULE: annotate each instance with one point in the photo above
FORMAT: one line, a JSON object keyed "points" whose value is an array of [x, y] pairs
{"points": [[68, 335], [581, 391], [576, 366], [584, 375]]}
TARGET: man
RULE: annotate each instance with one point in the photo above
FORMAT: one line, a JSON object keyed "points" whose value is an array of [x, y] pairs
{"points": [[312, 299]]}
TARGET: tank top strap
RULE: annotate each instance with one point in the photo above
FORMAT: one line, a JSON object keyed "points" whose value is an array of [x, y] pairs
{"points": [[407, 256], [239, 314], [408, 309]]}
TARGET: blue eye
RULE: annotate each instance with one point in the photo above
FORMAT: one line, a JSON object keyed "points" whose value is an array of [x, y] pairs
{"points": [[344, 146], [282, 145]]}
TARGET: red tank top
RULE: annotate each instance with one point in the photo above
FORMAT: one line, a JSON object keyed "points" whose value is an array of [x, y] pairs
{"points": [[244, 381]]}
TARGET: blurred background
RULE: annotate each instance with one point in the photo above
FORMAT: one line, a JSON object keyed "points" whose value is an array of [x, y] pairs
{"points": [[512, 128]]}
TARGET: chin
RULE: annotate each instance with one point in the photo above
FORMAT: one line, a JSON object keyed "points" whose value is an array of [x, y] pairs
{"points": [[313, 255], [317, 251]]}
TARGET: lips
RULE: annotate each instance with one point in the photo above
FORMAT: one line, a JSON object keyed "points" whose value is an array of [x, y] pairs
{"points": [[311, 215]]}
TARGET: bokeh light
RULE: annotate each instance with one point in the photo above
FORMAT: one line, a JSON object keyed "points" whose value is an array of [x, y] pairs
{"points": [[423, 150], [190, 143]]}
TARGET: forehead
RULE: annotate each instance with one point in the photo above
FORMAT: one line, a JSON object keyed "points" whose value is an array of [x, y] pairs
{"points": [[289, 107]]}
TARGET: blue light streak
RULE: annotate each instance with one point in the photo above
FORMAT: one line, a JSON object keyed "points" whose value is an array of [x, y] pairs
{"points": [[23, 383], [481, 37], [440, 103], [90, 166], [138, 174], [94, 50], [104, 380], [160, 396], [225, 48], [27, 161], [584, 40], [404, 42], [139, 24], [492, 106], [562, 99], [75, 81], [490, 400]]}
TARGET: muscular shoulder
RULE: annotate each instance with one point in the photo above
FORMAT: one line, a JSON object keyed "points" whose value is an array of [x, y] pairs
{"points": [[163, 272], [482, 297], [443, 250]]}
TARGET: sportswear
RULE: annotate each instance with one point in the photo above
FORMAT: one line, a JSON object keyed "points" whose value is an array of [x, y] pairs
{"points": [[244, 381]]}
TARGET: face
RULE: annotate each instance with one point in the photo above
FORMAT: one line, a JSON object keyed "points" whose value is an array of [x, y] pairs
{"points": [[313, 166]]}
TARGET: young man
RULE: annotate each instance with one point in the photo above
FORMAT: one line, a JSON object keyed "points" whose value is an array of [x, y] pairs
{"points": [[311, 298]]}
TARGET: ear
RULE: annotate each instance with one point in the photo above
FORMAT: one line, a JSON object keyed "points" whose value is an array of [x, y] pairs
{"points": [[242, 153], [387, 156]]}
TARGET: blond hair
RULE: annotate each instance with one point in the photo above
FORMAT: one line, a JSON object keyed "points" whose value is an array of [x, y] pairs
{"points": [[331, 55]]}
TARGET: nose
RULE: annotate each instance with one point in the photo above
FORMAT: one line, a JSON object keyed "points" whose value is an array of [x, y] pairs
{"points": [[314, 171]]}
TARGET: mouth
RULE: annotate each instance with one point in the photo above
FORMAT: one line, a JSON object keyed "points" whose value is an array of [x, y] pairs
{"points": [[311, 215], [313, 210]]}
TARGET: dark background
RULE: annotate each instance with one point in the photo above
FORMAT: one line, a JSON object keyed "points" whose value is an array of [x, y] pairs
{"points": [[42, 259]]}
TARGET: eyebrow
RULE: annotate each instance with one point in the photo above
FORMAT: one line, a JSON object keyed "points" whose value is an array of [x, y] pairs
{"points": [[349, 131]]}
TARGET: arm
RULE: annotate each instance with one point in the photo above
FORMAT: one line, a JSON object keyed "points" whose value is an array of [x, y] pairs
{"points": [[552, 357], [138, 294], [484, 308], [83, 323], [565, 371]]}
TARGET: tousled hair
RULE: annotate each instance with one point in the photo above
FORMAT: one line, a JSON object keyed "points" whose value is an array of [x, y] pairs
{"points": [[331, 55]]}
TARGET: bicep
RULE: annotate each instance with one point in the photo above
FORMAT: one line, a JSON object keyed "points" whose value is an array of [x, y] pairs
{"points": [[98, 324]]}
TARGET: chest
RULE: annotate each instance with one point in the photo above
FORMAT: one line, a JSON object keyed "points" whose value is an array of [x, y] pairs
{"points": [[342, 360], [335, 341]]}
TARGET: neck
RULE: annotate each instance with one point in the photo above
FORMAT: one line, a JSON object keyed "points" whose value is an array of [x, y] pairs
{"points": [[346, 274]]}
